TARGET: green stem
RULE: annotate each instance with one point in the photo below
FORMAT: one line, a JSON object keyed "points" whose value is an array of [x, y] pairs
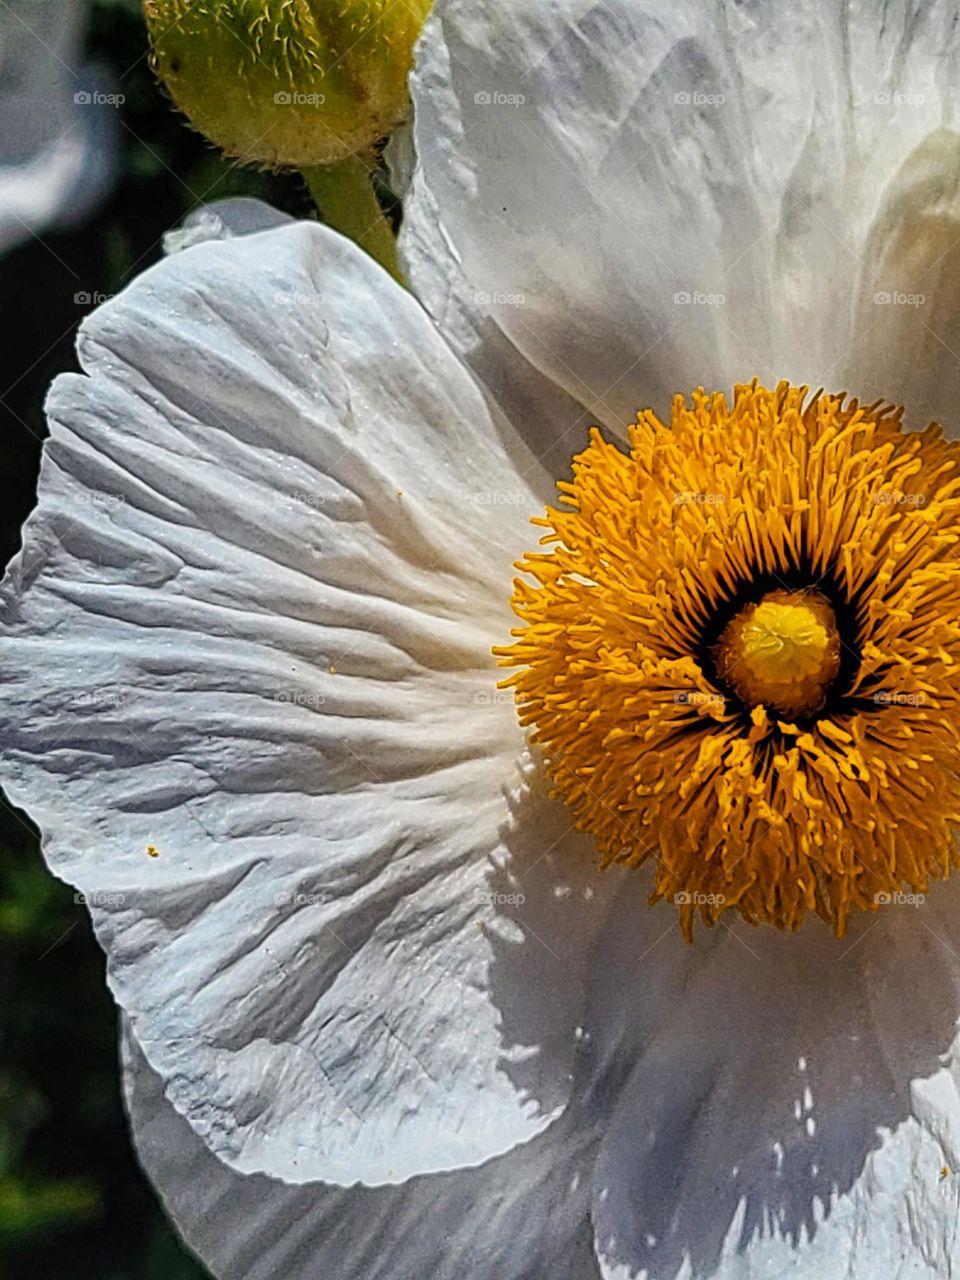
{"points": [[346, 199]]}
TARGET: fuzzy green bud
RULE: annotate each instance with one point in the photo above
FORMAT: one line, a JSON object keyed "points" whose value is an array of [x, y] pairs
{"points": [[296, 83]]}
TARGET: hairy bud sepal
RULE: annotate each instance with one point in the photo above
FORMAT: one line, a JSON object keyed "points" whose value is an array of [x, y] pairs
{"points": [[287, 83]]}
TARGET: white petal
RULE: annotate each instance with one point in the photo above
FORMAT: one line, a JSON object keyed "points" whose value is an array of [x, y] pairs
{"points": [[906, 343], [251, 628], [681, 194], [552, 423], [524, 1215], [222, 220], [58, 120], [794, 1109]]}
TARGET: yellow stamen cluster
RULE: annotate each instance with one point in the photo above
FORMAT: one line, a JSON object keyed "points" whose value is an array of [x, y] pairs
{"points": [[740, 653]]}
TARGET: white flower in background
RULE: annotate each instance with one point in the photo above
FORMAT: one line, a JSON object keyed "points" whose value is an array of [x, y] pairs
{"points": [[58, 122], [250, 699]]}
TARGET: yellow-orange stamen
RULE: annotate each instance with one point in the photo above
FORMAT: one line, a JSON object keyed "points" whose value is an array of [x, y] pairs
{"points": [[738, 653]]}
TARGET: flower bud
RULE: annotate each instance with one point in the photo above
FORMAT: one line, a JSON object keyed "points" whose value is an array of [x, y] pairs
{"points": [[295, 83]]}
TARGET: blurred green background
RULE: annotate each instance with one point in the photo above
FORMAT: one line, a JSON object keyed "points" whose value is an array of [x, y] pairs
{"points": [[73, 1202]]}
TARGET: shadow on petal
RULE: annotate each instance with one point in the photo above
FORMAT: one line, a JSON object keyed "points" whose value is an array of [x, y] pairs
{"points": [[505, 1220], [782, 1064], [548, 902]]}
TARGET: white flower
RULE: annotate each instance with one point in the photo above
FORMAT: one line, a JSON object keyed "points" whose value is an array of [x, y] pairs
{"points": [[248, 692], [58, 120]]}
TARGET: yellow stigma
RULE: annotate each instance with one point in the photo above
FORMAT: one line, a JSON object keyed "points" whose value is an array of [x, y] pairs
{"points": [[739, 652], [782, 653]]}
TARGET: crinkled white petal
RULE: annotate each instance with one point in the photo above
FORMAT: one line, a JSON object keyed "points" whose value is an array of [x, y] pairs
{"points": [[248, 695], [645, 197], [520, 1217], [794, 1110], [58, 120]]}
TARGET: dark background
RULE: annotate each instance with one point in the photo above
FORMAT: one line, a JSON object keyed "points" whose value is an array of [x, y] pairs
{"points": [[73, 1202]]}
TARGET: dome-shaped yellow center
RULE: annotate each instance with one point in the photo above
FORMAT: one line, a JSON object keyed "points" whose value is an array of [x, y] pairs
{"points": [[782, 653]]}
